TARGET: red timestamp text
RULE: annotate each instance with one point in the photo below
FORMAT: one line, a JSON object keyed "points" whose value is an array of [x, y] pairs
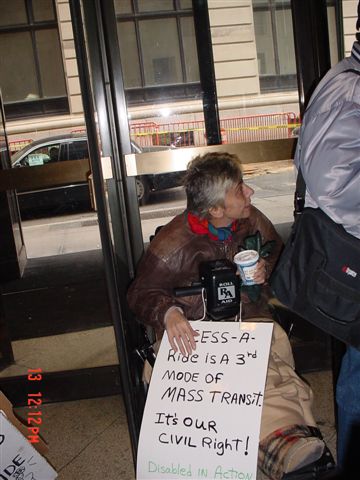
{"points": [[34, 402]]}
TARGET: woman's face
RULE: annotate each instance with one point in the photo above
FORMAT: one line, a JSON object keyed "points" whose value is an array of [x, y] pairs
{"points": [[236, 205]]}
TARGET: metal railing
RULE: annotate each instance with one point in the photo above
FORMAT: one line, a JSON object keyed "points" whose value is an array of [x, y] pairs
{"points": [[250, 128], [233, 130]]}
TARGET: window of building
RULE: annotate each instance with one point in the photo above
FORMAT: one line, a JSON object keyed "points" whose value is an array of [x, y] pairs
{"points": [[158, 49], [275, 43], [32, 74]]}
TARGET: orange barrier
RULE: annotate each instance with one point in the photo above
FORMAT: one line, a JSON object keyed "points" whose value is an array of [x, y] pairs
{"points": [[233, 130], [16, 145], [258, 127], [251, 128]]}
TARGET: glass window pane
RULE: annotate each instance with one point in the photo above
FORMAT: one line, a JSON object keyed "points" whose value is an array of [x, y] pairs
{"points": [[334, 51], [160, 51], [155, 5], [17, 72], [43, 10], [190, 52], [78, 150], [129, 54], [185, 4], [12, 12], [285, 42], [122, 6], [50, 63], [264, 43], [261, 3]]}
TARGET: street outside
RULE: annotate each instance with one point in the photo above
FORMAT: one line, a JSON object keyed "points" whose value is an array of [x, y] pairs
{"points": [[80, 232]]}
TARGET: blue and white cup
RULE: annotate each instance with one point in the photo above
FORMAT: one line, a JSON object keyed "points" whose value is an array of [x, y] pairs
{"points": [[246, 262]]}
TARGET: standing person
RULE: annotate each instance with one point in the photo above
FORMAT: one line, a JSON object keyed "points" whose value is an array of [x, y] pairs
{"points": [[218, 219], [328, 153]]}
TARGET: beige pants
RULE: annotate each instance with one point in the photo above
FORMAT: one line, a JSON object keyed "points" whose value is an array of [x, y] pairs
{"points": [[288, 399], [287, 403]]}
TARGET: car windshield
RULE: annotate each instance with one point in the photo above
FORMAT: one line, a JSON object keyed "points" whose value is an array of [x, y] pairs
{"points": [[18, 154]]}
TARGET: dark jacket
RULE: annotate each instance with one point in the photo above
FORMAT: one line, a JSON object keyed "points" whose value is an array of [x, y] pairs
{"points": [[172, 260]]}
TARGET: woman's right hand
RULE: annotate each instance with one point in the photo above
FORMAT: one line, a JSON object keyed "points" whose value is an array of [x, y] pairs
{"points": [[180, 332]]}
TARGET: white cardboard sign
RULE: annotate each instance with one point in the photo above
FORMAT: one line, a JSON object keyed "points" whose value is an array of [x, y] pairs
{"points": [[202, 414], [18, 458]]}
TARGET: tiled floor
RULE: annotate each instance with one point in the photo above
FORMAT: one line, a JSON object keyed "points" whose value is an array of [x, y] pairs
{"points": [[68, 351], [89, 438]]}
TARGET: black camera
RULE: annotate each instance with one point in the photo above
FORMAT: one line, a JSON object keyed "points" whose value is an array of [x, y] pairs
{"points": [[222, 288]]}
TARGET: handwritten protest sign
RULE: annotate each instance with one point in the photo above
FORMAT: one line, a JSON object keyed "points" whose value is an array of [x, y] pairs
{"points": [[202, 415]]}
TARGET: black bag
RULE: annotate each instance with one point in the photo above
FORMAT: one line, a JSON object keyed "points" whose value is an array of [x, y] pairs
{"points": [[318, 273]]}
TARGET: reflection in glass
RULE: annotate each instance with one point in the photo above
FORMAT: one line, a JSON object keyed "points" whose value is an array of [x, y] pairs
{"points": [[43, 10], [284, 34], [275, 45], [159, 63], [158, 51], [12, 12], [17, 56], [40, 156], [129, 54], [122, 6], [50, 63], [160, 48], [32, 72], [190, 52], [264, 43], [333, 35], [4, 154], [155, 5], [185, 4]]}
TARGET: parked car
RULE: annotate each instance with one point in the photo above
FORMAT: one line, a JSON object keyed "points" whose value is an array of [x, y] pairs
{"points": [[147, 184], [76, 196]]}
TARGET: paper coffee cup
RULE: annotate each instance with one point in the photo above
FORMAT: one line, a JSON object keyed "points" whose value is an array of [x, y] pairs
{"points": [[246, 262]]}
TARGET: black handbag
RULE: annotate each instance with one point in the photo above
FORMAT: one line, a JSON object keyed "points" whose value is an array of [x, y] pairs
{"points": [[318, 273]]}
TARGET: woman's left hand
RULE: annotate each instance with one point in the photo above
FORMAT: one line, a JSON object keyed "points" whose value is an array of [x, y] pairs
{"points": [[260, 272]]}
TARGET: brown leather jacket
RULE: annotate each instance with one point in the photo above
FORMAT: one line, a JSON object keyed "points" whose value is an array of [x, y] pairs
{"points": [[172, 260]]}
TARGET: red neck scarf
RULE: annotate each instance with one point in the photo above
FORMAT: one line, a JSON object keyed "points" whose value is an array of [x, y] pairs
{"points": [[204, 227]]}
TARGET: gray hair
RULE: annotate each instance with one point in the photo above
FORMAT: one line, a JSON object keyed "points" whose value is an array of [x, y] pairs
{"points": [[208, 179]]}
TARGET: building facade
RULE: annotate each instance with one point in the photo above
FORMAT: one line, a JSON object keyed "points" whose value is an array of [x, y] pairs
{"points": [[254, 63]]}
